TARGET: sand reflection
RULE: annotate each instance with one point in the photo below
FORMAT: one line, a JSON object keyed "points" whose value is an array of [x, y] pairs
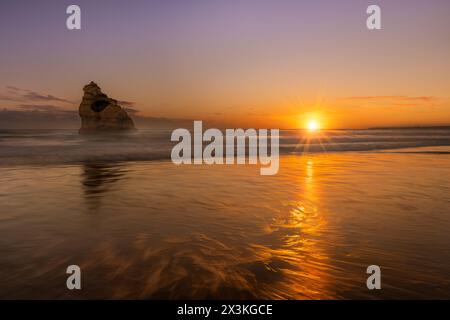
{"points": [[98, 178]]}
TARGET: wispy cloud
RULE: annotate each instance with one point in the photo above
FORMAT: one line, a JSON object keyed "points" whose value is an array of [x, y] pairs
{"points": [[131, 110], [124, 103], [24, 95], [42, 108], [393, 98], [33, 96], [129, 106], [12, 88]]}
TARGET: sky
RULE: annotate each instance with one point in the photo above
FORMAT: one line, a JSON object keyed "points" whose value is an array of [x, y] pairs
{"points": [[239, 63]]}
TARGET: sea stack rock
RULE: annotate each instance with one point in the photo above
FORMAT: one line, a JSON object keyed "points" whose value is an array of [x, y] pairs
{"points": [[101, 114]]}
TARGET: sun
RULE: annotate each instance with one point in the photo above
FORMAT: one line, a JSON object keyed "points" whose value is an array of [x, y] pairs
{"points": [[313, 125]]}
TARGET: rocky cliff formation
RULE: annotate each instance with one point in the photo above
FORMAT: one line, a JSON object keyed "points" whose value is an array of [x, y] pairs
{"points": [[99, 113]]}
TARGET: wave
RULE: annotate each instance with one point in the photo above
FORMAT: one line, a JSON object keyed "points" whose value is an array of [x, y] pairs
{"points": [[66, 146]]}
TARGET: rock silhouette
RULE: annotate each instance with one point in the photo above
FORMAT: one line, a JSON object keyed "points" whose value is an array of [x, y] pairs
{"points": [[99, 113]]}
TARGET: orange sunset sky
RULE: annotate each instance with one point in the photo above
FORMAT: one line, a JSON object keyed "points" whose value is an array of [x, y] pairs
{"points": [[274, 64]]}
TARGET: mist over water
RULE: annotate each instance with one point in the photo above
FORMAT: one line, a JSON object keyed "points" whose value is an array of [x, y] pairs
{"points": [[150, 229], [67, 146]]}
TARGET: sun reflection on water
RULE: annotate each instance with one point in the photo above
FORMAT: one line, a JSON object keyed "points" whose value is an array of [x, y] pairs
{"points": [[304, 271]]}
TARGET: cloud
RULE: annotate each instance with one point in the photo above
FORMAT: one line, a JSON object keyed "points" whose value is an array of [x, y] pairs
{"points": [[12, 88], [46, 108], [24, 95], [131, 110], [393, 98], [129, 106], [124, 103], [33, 96]]}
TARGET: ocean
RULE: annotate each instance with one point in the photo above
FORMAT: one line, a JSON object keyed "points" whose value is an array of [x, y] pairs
{"points": [[67, 146], [140, 227]]}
